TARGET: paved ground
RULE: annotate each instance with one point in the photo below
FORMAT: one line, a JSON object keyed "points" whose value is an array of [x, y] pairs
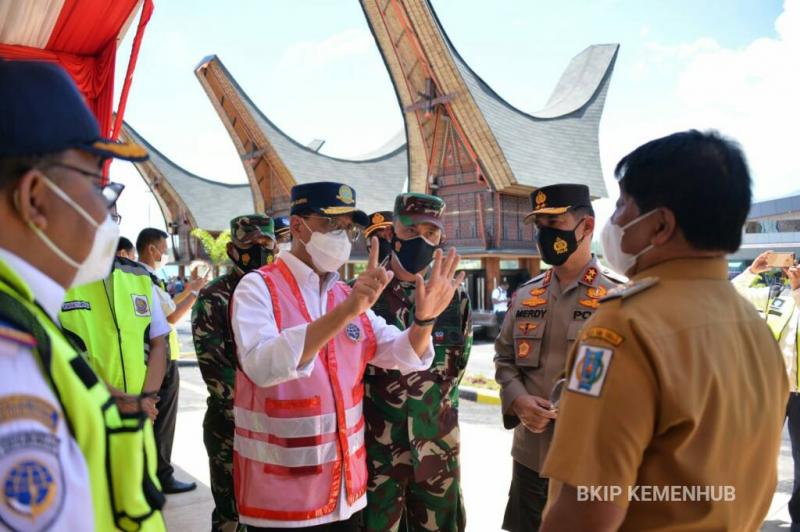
{"points": [[486, 464]]}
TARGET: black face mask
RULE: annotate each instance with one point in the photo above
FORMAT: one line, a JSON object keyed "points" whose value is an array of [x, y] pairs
{"points": [[414, 254], [251, 258], [557, 245], [384, 249]]}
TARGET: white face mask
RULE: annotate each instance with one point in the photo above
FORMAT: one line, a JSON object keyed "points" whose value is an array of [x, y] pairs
{"points": [[97, 264], [611, 238], [329, 251], [158, 264]]}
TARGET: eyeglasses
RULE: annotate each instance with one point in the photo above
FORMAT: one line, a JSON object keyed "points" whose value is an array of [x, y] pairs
{"points": [[337, 224], [110, 191]]}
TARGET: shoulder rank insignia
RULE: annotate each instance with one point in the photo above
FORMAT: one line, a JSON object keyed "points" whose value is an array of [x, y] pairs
{"points": [[589, 276], [630, 289], [601, 333]]}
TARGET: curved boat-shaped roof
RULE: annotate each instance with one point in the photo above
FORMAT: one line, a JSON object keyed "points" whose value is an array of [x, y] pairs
{"points": [[377, 180], [209, 205], [558, 143]]}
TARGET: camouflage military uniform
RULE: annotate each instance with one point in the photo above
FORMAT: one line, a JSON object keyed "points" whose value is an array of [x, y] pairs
{"points": [[216, 357], [412, 433]]}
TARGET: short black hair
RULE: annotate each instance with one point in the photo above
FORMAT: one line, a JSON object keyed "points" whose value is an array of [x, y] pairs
{"points": [[148, 235], [702, 177], [124, 245], [12, 168]]}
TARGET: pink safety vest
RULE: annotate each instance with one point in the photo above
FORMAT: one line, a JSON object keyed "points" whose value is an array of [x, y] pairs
{"points": [[295, 442]]}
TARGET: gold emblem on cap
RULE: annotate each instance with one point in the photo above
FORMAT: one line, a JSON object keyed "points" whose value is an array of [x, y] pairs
{"points": [[377, 218], [560, 246], [345, 194], [540, 199]]}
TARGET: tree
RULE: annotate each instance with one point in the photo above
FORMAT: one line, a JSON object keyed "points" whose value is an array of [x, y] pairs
{"points": [[215, 247]]}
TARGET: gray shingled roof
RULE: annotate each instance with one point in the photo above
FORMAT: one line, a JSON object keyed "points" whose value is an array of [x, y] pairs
{"points": [[212, 204], [377, 181], [559, 143]]}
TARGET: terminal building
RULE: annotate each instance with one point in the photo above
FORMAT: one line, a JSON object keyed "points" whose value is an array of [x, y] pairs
{"points": [[771, 225]]}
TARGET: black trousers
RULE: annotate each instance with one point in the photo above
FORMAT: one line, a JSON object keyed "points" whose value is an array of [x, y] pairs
{"points": [[164, 427], [793, 416], [354, 524], [526, 500]]}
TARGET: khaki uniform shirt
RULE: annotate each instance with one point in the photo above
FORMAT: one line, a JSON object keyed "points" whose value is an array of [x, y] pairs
{"points": [[541, 325], [675, 383]]}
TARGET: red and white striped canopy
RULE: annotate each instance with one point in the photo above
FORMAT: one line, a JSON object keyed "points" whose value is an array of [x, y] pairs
{"points": [[81, 35]]}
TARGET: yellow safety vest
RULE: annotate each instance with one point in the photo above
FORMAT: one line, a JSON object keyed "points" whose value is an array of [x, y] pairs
{"points": [[110, 322], [119, 450], [778, 312]]}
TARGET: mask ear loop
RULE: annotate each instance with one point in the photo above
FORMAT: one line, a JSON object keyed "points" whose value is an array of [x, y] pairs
{"points": [[49, 243]]}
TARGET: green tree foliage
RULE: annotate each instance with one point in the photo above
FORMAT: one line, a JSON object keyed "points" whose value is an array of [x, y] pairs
{"points": [[215, 247]]}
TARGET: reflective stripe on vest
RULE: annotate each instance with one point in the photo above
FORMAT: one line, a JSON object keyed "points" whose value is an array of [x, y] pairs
{"points": [[120, 452], [297, 441], [112, 319]]}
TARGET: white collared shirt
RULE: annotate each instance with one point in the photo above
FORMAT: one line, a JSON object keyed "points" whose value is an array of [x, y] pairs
{"points": [[44, 441], [270, 357]]}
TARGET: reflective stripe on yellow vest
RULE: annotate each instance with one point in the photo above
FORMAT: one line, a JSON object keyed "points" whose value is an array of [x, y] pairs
{"points": [[119, 451], [112, 320]]}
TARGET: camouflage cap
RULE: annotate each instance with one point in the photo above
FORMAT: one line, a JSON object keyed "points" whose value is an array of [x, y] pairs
{"points": [[248, 227], [413, 208]]}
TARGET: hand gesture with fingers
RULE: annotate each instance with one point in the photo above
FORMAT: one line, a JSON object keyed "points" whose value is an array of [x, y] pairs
{"points": [[433, 296], [760, 264], [370, 284]]}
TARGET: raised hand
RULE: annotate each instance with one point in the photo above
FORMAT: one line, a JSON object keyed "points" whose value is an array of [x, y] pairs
{"points": [[370, 284], [433, 296], [760, 264]]}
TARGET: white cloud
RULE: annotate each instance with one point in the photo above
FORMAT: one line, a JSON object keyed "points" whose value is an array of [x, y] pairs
{"points": [[314, 54], [749, 93]]}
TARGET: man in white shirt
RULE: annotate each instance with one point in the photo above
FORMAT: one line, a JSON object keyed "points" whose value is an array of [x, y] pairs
{"points": [[500, 301], [151, 245], [278, 361], [779, 305]]}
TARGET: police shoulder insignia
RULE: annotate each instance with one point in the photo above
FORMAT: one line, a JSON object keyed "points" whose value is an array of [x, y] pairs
{"points": [[601, 333], [353, 332], [631, 289], [589, 276], [590, 371], [141, 307]]}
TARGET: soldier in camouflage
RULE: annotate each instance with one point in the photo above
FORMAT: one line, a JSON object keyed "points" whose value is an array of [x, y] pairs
{"points": [[412, 433], [252, 246]]}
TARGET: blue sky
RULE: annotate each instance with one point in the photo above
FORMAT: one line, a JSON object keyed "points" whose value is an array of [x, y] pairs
{"points": [[313, 68]]}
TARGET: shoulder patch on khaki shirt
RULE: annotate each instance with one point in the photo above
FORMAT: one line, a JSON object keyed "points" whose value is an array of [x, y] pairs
{"points": [[601, 333], [590, 370], [631, 289]]}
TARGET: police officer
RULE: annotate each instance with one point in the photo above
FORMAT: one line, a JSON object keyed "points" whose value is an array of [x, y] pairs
{"points": [[544, 319], [283, 234], [64, 447], [380, 225], [412, 435], [252, 246], [676, 391], [303, 339], [778, 304]]}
